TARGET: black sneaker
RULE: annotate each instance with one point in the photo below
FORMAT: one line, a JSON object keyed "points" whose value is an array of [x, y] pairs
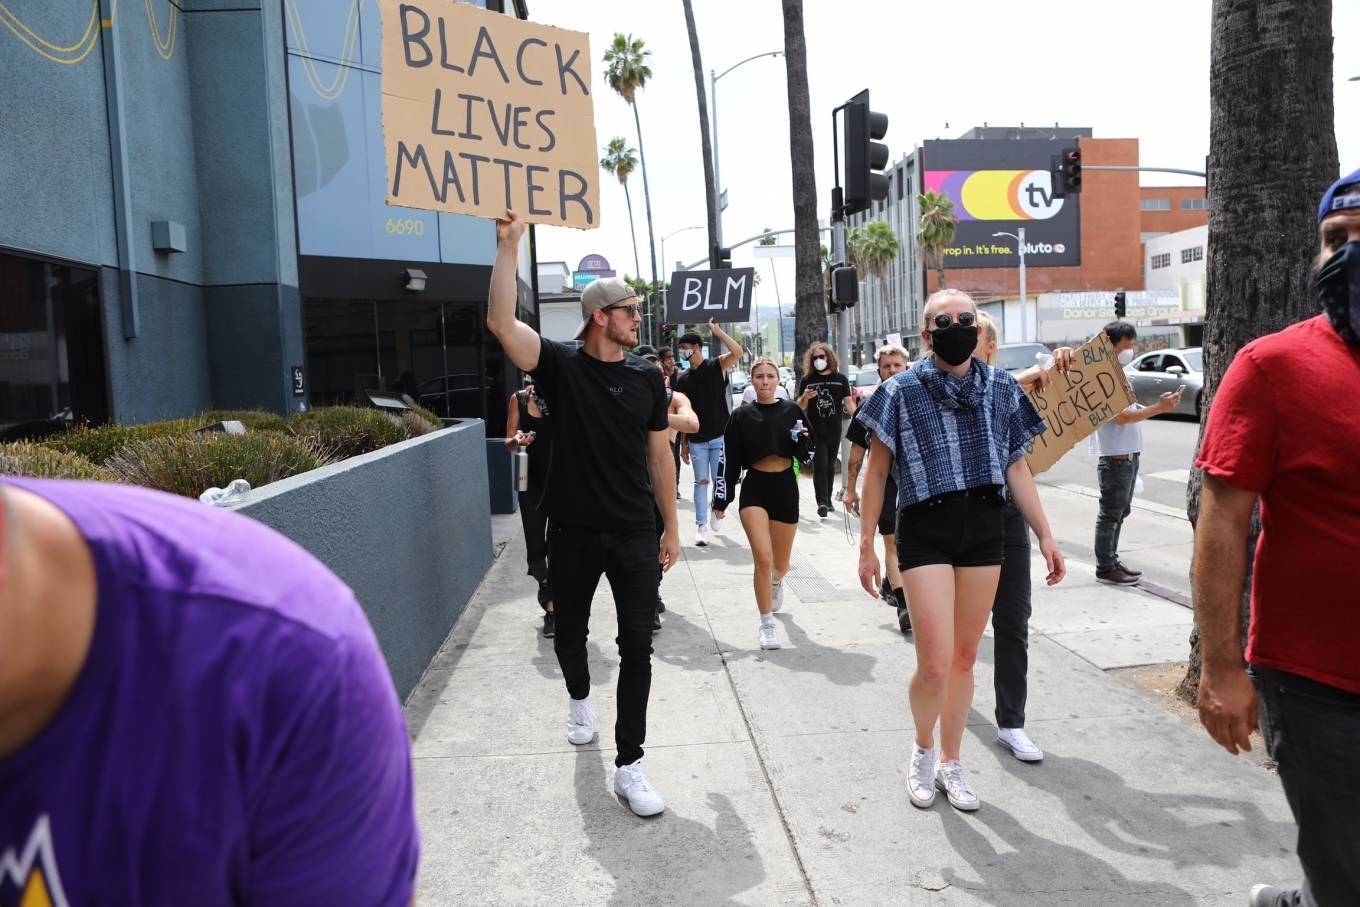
{"points": [[549, 625], [885, 592], [821, 510], [903, 620], [1116, 576], [656, 618], [660, 605], [1127, 569]]}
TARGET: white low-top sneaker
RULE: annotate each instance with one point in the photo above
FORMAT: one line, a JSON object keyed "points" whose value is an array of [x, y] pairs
{"points": [[714, 522], [1017, 741], [769, 636], [949, 778], [632, 785], [921, 779], [776, 595], [701, 536], [580, 721]]}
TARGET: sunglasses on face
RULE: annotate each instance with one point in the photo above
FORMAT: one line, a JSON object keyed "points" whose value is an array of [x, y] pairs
{"points": [[943, 320], [631, 309]]}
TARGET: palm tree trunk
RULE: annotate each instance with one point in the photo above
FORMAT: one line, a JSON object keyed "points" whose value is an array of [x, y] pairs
{"points": [[809, 306], [704, 138], [1271, 129], [632, 229], [651, 242]]}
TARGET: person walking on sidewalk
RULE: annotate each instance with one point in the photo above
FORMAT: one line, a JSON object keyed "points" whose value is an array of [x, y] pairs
{"points": [[528, 429], [763, 438], [1264, 442], [826, 398], [610, 464], [704, 381], [193, 710], [890, 359], [680, 415], [954, 430], [1119, 443]]}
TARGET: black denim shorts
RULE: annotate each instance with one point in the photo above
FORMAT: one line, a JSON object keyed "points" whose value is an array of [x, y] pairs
{"points": [[774, 492], [962, 528]]}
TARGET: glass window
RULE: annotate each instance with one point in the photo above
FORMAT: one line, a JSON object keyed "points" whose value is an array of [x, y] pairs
{"points": [[1192, 204], [1195, 359], [1156, 204], [1150, 364], [1162, 260], [1194, 253]]}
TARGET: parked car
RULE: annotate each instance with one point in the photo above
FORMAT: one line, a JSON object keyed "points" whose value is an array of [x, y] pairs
{"points": [[1153, 374], [739, 380], [1016, 357], [864, 385]]}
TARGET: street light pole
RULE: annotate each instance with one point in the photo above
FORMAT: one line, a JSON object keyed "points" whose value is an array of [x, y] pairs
{"points": [[713, 94], [1020, 240]]}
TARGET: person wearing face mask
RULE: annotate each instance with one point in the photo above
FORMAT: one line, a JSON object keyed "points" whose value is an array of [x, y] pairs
{"points": [[704, 381], [1283, 431], [953, 429], [1119, 445], [824, 394]]}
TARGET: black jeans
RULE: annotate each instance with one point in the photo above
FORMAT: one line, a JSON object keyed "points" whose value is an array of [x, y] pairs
{"points": [[827, 448], [1010, 624], [1117, 476], [1313, 731], [675, 453], [577, 558], [535, 523]]}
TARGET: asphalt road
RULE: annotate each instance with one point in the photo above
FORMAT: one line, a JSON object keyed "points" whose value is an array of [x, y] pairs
{"points": [[1168, 452]]}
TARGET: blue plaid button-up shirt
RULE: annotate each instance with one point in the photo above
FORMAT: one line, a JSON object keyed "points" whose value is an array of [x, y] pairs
{"points": [[950, 434]]}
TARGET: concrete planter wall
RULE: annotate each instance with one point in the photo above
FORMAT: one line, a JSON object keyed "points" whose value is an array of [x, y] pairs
{"points": [[406, 527]]}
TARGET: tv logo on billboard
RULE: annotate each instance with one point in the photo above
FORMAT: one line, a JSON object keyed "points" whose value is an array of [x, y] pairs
{"points": [[1009, 195]]}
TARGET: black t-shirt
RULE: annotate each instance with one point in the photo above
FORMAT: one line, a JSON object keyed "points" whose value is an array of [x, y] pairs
{"points": [[540, 451], [825, 410], [757, 431], [602, 417], [706, 387]]}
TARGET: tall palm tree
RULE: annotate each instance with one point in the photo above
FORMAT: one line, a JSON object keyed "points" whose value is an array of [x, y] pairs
{"points": [[627, 72], [621, 161], [705, 141], [1270, 83], [871, 248], [935, 231], [809, 308]]}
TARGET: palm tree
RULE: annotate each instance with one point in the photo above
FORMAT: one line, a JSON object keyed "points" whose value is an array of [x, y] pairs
{"points": [[620, 160], [809, 308], [935, 230], [1270, 82], [705, 142], [871, 248], [627, 72]]}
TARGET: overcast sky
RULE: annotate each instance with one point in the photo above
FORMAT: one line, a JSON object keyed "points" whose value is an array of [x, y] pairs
{"points": [[1132, 71]]}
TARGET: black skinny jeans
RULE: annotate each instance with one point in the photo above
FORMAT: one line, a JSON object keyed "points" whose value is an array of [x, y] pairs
{"points": [[1010, 624], [535, 523], [577, 558], [827, 447]]}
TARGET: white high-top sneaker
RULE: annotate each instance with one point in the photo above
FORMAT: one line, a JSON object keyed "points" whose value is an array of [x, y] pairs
{"points": [[580, 721], [921, 777], [632, 785]]}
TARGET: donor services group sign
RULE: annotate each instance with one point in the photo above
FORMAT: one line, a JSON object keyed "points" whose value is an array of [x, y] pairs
{"points": [[483, 112], [996, 187]]}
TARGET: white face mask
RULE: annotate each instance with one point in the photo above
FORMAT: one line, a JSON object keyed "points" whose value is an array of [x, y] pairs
{"points": [[686, 352], [819, 364], [1126, 357]]}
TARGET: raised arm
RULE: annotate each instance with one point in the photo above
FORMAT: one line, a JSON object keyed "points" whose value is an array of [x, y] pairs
{"points": [[520, 342], [734, 350]]}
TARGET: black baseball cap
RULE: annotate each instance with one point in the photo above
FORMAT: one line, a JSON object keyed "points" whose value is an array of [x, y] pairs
{"points": [[691, 338], [646, 351]]}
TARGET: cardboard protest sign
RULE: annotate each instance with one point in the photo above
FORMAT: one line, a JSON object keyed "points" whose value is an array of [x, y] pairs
{"points": [[724, 295], [1092, 392], [482, 112]]}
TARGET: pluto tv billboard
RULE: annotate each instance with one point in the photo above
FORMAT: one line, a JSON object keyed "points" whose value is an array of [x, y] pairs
{"points": [[999, 186]]}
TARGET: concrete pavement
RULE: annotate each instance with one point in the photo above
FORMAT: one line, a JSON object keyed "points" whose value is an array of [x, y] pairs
{"points": [[784, 771]]}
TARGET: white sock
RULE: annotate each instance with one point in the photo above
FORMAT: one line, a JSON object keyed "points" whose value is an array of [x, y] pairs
{"points": [[767, 620]]}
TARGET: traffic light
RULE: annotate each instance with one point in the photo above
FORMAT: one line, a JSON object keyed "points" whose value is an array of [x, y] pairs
{"points": [[864, 157], [1120, 308], [1065, 173], [719, 257], [844, 286]]}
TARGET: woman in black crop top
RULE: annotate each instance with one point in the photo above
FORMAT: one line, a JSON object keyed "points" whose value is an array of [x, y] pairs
{"points": [[763, 438]]}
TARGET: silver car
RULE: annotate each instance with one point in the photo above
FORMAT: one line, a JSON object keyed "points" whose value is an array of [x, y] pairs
{"points": [[1153, 374]]}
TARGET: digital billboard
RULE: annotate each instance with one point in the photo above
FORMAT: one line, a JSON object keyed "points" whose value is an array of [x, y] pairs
{"points": [[999, 186]]}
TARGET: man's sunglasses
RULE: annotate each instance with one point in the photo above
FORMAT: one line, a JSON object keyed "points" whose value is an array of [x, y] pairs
{"points": [[967, 319], [632, 309]]}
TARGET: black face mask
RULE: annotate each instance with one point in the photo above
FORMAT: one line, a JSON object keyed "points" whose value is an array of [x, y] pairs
{"points": [[955, 343], [1338, 289]]}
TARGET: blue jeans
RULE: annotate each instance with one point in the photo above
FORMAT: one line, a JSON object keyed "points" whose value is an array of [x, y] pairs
{"points": [[704, 456], [1117, 476]]}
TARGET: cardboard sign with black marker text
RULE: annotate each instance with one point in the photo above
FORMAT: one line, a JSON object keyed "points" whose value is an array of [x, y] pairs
{"points": [[696, 296], [1092, 392]]}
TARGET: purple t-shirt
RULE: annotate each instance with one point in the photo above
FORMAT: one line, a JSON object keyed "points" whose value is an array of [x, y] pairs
{"points": [[233, 738]]}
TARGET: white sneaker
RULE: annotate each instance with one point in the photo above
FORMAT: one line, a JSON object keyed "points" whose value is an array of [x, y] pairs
{"points": [[580, 721], [921, 780], [631, 784], [769, 637], [1017, 741], [776, 595], [701, 536], [949, 778], [714, 522]]}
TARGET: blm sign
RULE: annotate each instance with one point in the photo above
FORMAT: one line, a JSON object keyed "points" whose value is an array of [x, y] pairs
{"points": [[724, 295], [482, 112], [1092, 392]]}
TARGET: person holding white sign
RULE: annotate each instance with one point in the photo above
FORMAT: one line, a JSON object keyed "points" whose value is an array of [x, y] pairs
{"points": [[954, 430]]}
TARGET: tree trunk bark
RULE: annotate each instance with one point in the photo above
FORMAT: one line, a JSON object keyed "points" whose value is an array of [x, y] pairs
{"points": [[809, 305], [705, 139], [1273, 153], [651, 242], [632, 230]]}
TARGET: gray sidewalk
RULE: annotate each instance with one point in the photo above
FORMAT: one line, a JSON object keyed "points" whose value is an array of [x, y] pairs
{"points": [[784, 773]]}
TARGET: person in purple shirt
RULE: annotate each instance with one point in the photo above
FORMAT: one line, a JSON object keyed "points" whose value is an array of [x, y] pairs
{"points": [[193, 710]]}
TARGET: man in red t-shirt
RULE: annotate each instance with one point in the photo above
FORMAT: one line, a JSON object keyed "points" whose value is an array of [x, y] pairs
{"points": [[1284, 429]]}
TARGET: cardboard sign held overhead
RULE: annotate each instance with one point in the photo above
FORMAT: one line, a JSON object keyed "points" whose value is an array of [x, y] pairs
{"points": [[1092, 392], [482, 112], [696, 296]]}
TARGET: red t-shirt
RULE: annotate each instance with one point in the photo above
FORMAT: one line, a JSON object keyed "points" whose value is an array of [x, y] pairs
{"points": [[1286, 425]]}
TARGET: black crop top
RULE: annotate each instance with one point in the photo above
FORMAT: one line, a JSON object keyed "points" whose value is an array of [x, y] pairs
{"points": [[755, 431]]}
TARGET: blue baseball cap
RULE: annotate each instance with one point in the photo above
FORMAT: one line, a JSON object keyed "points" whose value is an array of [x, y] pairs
{"points": [[1344, 193]]}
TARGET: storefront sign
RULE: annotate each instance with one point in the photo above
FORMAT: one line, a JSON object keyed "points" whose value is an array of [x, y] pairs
{"points": [[1092, 392], [483, 112], [724, 295]]}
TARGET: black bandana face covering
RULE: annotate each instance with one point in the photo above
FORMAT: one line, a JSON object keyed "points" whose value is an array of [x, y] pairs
{"points": [[1338, 289], [955, 343]]}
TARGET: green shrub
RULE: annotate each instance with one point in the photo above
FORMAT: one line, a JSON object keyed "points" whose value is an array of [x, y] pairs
{"points": [[346, 431], [413, 424], [252, 419], [428, 416], [39, 461], [191, 464], [100, 443]]}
